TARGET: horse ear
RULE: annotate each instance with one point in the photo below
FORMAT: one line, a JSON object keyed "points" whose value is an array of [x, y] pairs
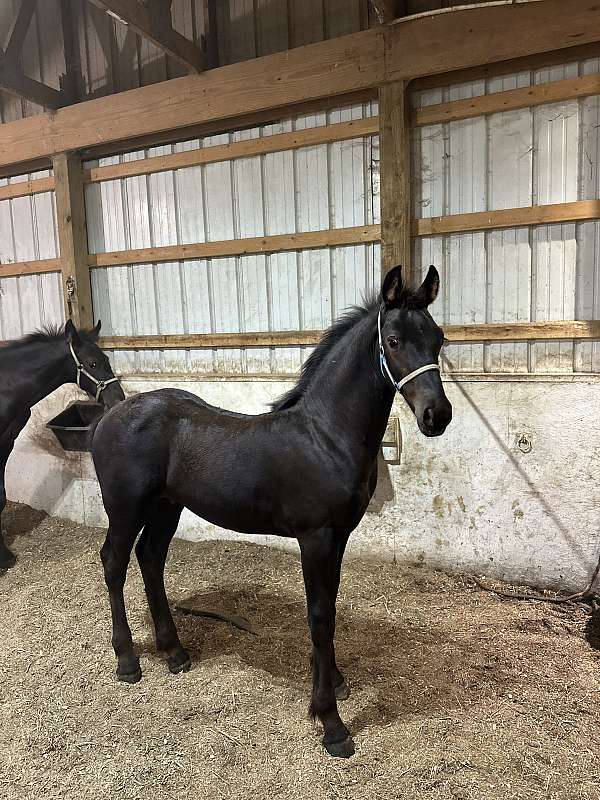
{"points": [[430, 287], [392, 287], [96, 329], [71, 333]]}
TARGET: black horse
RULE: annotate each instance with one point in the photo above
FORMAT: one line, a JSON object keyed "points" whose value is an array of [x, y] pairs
{"points": [[33, 367], [307, 469]]}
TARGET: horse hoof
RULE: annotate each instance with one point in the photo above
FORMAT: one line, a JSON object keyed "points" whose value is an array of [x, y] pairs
{"points": [[343, 749], [342, 692], [177, 665], [130, 677]]}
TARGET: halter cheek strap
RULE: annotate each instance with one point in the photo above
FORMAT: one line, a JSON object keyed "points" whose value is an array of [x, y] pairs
{"points": [[81, 370], [385, 370]]}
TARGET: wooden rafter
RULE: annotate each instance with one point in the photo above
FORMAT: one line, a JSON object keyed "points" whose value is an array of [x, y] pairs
{"points": [[15, 82], [12, 78], [18, 30], [152, 19]]}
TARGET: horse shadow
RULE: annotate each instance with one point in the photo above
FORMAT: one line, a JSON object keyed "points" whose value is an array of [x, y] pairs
{"points": [[592, 628], [19, 521], [395, 669]]}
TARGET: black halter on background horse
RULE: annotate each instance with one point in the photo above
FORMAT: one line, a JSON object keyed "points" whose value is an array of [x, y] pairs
{"points": [[32, 368], [307, 469]]}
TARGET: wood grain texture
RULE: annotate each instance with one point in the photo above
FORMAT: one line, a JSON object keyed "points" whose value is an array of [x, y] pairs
{"points": [[17, 268], [396, 212], [557, 91], [338, 132], [403, 50], [509, 218], [26, 188], [72, 236], [516, 332], [237, 247]]}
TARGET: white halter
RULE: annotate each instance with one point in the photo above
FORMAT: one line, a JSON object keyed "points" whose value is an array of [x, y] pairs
{"points": [[81, 370], [385, 370]]}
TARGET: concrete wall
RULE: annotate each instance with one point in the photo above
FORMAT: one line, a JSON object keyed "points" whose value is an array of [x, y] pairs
{"points": [[469, 501]]}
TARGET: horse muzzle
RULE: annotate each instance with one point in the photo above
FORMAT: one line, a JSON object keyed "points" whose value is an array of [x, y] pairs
{"points": [[435, 417]]}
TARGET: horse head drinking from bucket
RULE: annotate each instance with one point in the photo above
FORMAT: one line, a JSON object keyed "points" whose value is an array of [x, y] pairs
{"points": [[306, 469], [32, 368]]}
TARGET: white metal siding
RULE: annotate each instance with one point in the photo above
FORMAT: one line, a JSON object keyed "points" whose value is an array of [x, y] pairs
{"points": [[313, 188], [544, 155]]}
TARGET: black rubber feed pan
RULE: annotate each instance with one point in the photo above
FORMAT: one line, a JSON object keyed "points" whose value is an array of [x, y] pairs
{"points": [[72, 426]]}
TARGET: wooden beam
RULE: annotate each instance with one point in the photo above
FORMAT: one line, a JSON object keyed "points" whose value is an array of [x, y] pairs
{"points": [[26, 188], [511, 100], [413, 48], [501, 332], [579, 52], [70, 213], [18, 30], [152, 20], [523, 331], [308, 137], [17, 268], [396, 212], [14, 82], [457, 38], [509, 218], [334, 237]]}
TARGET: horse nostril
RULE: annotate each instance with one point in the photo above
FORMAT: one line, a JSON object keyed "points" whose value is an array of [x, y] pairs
{"points": [[428, 417]]}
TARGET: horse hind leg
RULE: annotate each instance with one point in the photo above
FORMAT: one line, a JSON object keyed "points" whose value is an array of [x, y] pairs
{"points": [[115, 554], [7, 557], [151, 551]]}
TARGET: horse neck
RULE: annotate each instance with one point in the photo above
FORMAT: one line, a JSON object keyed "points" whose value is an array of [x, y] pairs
{"points": [[42, 368], [349, 392]]}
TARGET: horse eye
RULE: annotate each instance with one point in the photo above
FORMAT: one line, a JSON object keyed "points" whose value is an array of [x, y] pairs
{"points": [[93, 365], [393, 342]]}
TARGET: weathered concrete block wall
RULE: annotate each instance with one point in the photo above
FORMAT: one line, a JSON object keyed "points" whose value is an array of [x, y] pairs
{"points": [[469, 501]]}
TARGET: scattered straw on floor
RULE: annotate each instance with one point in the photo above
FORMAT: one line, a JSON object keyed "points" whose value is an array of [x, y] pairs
{"points": [[455, 693]]}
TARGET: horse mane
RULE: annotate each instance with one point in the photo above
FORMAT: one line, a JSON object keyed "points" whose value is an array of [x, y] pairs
{"points": [[47, 333], [330, 338], [409, 299]]}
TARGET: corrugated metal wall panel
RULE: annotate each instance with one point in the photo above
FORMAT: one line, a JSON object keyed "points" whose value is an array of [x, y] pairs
{"points": [[545, 155], [309, 189]]}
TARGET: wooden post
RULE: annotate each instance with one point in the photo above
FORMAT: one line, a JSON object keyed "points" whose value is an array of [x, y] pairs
{"points": [[72, 234], [396, 212]]}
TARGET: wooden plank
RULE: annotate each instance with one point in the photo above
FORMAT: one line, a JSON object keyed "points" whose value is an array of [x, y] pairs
{"points": [[579, 52], [511, 100], [457, 38], [25, 188], [396, 212], [72, 235], [308, 137], [237, 247], [338, 66], [509, 218], [522, 331], [152, 20], [412, 48], [16, 268], [181, 341]]}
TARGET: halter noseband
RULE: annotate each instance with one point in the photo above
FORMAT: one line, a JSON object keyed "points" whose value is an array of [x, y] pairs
{"points": [[81, 370], [385, 370]]}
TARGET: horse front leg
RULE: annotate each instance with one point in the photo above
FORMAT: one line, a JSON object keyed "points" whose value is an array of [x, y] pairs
{"points": [[320, 567]]}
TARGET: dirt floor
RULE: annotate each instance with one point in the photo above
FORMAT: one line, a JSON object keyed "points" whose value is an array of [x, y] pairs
{"points": [[455, 693]]}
